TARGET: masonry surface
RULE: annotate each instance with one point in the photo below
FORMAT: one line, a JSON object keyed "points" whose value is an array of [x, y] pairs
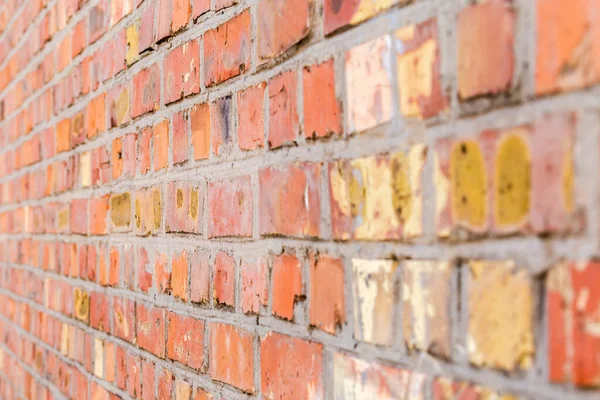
{"points": [[300, 199]]}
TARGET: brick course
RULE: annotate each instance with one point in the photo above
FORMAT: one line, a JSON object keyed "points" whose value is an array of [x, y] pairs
{"points": [[299, 199]]}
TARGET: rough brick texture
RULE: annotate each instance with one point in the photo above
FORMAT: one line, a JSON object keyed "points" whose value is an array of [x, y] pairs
{"points": [[299, 199]]}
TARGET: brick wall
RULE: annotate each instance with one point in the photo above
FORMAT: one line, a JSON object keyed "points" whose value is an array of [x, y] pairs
{"points": [[299, 199]]}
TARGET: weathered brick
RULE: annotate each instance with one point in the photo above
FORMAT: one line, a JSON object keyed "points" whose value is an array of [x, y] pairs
{"points": [[200, 118], [199, 276], [151, 329], [182, 11], [184, 207], [146, 91], [221, 125], [419, 81], [289, 200], [224, 279], [281, 25], [322, 112], [287, 285], [368, 85], [160, 142], [500, 304], [148, 211], [573, 300], [373, 296], [182, 71], [118, 100], [302, 376], [179, 282], [124, 318], [283, 114], [180, 138], [123, 156], [254, 284], [185, 340], [227, 50], [120, 210], [486, 48], [446, 389], [377, 197], [231, 356], [566, 45], [358, 379], [426, 288], [327, 304], [339, 13], [96, 116], [251, 120], [230, 207]]}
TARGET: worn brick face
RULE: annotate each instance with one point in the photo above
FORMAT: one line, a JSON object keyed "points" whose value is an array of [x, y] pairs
{"points": [[227, 50], [231, 359], [182, 71], [230, 207], [281, 24]]}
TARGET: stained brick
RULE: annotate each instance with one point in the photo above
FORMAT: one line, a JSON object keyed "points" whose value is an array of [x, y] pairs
{"points": [[184, 207], [182, 72], [230, 207], [227, 50]]}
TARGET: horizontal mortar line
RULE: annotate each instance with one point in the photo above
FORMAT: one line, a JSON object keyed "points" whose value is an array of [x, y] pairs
{"points": [[39, 378], [328, 47], [462, 371]]}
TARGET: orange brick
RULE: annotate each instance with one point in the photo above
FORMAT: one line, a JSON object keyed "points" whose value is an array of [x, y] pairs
{"points": [[231, 356], [327, 306], [185, 340], [200, 116], [96, 116], [281, 25], [322, 114], [224, 284], [283, 119], [287, 285], [179, 280], [251, 120], [181, 71], [160, 142]]}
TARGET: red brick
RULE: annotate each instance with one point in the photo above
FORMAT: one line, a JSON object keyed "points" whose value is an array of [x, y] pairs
{"points": [[566, 46], [184, 207], [200, 7], [224, 284], [486, 48], [124, 318], [327, 306], [322, 114], [146, 91], [573, 298], [164, 19], [231, 356], [148, 379], [80, 37], [151, 329], [162, 272], [99, 311], [98, 214], [144, 140], [289, 200], [160, 142], [302, 376], [134, 375], [287, 285], [182, 10], [79, 216], [199, 277], [254, 285], [147, 34], [96, 116], [200, 118], [123, 156], [179, 268], [182, 72], [281, 25], [221, 126], [180, 138], [185, 340], [251, 120], [283, 114], [227, 50], [165, 384], [144, 277], [230, 207]]}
